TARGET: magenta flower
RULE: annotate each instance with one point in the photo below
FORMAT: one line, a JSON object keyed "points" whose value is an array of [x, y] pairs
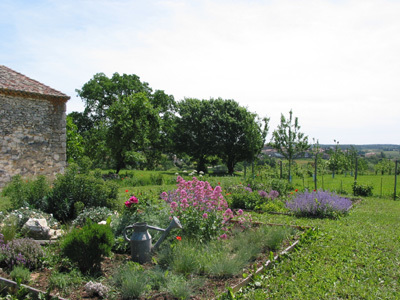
{"points": [[133, 199], [174, 205], [205, 215], [240, 212]]}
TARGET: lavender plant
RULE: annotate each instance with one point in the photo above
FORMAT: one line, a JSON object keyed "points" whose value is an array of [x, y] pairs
{"points": [[319, 204], [21, 252]]}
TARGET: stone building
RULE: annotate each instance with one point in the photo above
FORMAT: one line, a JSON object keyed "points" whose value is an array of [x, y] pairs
{"points": [[32, 127]]}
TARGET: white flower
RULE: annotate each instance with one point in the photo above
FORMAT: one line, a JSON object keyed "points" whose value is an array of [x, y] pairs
{"points": [[201, 172]]}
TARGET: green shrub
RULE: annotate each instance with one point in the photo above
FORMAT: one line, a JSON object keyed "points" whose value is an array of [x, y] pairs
{"points": [[87, 245], [27, 192], [364, 190], [73, 187]]}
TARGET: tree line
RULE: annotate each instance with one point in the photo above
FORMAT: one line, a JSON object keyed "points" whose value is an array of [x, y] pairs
{"points": [[127, 124]]}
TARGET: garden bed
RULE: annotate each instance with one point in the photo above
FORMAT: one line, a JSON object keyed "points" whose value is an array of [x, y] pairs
{"points": [[210, 287]]}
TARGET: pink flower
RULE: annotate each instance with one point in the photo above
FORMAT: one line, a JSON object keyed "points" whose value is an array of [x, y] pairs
{"points": [[133, 199], [223, 236], [205, 215], [174, 205], [128, 204], [240, 212]]}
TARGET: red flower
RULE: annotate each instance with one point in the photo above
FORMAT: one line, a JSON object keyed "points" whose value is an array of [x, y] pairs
{"points": [[179, 238], [126, 191], [296, 190]]}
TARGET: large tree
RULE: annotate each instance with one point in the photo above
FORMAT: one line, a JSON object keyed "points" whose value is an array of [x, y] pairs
{"points": [[100, 94], [194, 131], [206, 129], [240, 135], [288, 140]]}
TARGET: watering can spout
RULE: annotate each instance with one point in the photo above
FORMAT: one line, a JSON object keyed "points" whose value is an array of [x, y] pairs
{"points": [[174, 224]]}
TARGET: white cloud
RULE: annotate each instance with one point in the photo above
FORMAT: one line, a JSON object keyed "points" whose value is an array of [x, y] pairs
{"points": [[335, 63]]}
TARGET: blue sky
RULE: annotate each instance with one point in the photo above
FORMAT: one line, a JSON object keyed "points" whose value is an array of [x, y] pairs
{"points": [[336, 64]]}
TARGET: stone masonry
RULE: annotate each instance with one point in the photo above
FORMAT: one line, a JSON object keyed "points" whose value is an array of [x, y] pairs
{"points": [[32, 127]]}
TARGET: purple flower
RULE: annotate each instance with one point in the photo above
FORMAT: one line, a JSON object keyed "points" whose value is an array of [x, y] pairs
{"points": [[263, 194], [318, 204]]}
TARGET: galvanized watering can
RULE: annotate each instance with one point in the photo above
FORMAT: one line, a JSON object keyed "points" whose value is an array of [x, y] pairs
{"points": [[141, 245]]}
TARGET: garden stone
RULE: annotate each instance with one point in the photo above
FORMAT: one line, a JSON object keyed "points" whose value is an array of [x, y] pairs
{"points": [[37, 229]]}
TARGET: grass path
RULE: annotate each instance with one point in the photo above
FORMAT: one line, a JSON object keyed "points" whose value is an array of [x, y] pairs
{"points": [[356, 257]]}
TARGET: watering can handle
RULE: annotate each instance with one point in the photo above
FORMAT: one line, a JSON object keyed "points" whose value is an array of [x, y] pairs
{"points": [[125, 237]]}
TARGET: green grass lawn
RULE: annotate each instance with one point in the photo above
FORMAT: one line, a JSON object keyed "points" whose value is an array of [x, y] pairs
{"points": [[382, 185], [355, 257]]}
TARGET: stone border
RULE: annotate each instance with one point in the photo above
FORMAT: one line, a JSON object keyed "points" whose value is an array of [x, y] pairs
{"points": [[268, 264], [30, 289]]}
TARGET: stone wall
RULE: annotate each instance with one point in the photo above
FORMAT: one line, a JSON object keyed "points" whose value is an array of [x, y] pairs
{"points": [[32, 137]]}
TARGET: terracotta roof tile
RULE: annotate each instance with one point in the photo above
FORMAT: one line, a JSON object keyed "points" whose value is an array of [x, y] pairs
{"points": [[12, 81]]}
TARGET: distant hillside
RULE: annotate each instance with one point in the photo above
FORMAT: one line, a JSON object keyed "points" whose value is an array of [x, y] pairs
{"points": [[366, 148]]}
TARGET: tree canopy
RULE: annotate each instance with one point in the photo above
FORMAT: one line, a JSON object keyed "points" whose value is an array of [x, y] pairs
{"points": [[217, 127]]}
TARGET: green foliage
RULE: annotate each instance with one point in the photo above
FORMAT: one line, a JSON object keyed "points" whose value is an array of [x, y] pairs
{"points": [[206, 129], [73, 187], [27, 192], [364, 190], [132, 281], [20, 274], [87, 245], [75, 149], [65, 281], [125, 119]]}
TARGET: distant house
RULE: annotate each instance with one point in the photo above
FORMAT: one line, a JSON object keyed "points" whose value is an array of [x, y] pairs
{"points": [[32, 127]]}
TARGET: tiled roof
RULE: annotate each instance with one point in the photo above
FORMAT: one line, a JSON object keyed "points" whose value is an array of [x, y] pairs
{"points": [[14, 83]]}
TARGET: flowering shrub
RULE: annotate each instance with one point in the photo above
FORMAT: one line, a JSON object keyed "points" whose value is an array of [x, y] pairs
{"points": [[246, 197], [21, 252], [318, 204], [95, 214], [199, 207]]}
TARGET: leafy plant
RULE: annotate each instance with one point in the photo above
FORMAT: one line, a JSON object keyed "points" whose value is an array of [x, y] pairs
{"points": [[364, 190], [73, 187], [87, 245], [20, 274], [28, 192]]}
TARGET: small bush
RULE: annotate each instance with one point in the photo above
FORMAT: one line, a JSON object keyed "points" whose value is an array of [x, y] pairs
{"points": [[364, 190], [87, 245], [21, 252], [132, 281], [20, 274], [318, 204]]}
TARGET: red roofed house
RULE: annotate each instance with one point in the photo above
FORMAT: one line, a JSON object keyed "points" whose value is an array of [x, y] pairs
{"points": [[32, 127]]}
